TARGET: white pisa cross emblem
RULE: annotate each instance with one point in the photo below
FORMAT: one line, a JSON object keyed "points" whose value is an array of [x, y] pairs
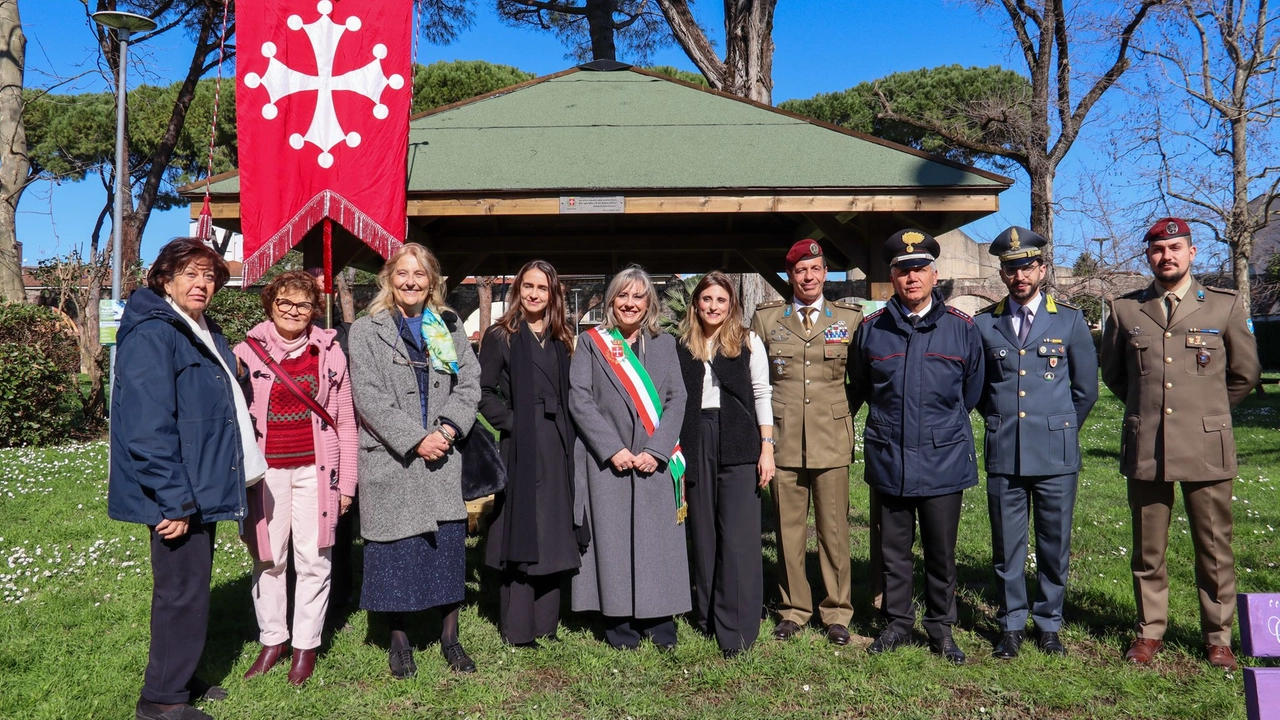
{"points": [[281, 81]]}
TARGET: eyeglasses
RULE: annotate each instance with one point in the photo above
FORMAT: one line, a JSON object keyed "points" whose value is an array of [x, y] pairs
{"points": [[288, 306], [1024, 270]]}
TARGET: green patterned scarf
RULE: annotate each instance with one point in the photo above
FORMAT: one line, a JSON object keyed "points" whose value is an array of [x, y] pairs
{"points": [[443, 353]]}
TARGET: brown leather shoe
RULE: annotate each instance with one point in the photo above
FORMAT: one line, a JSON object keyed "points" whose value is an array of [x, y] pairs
{"points": [[838, 635], [1220, 656], [304, 663], [785, 630], [267, 659], [1143, 650]]}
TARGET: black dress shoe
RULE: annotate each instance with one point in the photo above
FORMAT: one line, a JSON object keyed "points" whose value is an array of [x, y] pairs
{"points": [[732, 653], [458, 659], [888, 642], [838, 635], [785, 630], [1009, 645], [1050, 643], [402, 664], [154, 711], [201, 690], [946, 647]]}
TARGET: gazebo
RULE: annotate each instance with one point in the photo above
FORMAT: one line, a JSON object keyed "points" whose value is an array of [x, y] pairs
{"points": [[604, 165]]}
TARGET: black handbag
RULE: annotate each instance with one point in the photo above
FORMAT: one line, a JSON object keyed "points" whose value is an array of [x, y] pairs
{"points": [[483, 473]]}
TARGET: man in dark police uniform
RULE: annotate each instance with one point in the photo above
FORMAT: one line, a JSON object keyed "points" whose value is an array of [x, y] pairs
{"points": [[919, 368], [1181, 355], [1042, 381]]}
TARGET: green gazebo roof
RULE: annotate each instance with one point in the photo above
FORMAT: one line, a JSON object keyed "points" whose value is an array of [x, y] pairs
{"points": [[630, 129]]}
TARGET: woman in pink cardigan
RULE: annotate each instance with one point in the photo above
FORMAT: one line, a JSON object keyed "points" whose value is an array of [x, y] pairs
{"points": [[311, 466]]}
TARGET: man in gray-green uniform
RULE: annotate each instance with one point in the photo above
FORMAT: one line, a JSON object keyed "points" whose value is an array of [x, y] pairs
{"points": [[807, 339], [1181, 355]]}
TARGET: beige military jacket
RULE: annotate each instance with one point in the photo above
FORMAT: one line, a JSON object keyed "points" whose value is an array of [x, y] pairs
{"points": [[811, 420], [1179, 381]]}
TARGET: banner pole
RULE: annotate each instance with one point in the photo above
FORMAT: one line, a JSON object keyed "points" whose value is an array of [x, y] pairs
{"points": [[328, 272]]}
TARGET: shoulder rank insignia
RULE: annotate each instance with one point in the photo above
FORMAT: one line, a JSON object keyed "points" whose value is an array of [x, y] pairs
{"points": [[1063, 303], [960, 314], [873, 316], [1224, 291]]}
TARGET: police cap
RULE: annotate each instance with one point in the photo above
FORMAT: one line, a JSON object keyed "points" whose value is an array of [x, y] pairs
{"points": [[1017, 247], [911, 249]]}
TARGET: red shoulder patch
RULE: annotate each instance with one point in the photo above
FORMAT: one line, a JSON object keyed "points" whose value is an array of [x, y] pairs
{"points": [[960, 314], [872, 316]]}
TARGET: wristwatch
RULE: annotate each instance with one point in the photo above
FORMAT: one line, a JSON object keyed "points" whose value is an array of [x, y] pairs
{"points": [[769, 440]]}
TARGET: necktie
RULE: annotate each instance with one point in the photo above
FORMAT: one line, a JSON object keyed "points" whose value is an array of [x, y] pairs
{"points": [[1170, 306], [914, 320], [1024, 324], [807, 320]]}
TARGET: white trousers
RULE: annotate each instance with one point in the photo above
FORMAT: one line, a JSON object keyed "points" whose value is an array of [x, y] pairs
{"points": [[292, 496]]}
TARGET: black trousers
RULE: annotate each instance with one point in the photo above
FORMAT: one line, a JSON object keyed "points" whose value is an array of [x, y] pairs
{"points": [[626, 632], [939, 520], [724, 539], [528, 606], [180, 572]]}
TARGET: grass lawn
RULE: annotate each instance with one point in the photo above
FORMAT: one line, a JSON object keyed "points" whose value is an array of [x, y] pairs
{"points": [[75, 588]]}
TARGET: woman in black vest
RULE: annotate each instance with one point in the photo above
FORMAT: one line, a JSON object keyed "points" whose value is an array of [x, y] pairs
{"points": [[524, 385], [727, 437]]}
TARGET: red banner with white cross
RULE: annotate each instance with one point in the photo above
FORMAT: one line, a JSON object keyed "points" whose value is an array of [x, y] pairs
{"points": [[323, 89]]}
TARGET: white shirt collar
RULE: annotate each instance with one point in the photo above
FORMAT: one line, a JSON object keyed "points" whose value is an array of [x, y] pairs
{"points": [[1032, 307], [797, 305], [924, 310]]}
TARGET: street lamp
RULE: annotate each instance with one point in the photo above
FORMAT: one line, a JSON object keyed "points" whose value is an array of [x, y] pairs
{"points": [[1102, 299], [125, 24]]}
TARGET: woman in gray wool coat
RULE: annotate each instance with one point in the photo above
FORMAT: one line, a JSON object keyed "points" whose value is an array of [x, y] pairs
{"points": [[635, 570], [416, 383]]}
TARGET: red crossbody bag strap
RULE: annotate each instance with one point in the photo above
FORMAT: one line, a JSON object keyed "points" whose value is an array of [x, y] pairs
{"points": [[290, 384]]}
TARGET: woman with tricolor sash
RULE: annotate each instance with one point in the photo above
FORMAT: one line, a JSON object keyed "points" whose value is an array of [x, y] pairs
{"points": [[416, 384], [627, 400], [728, 439]]}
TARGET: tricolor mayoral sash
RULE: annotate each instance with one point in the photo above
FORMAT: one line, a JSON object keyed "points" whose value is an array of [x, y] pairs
{"points": [[644, 397]]}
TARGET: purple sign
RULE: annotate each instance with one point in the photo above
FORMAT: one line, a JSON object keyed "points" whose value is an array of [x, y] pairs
{"points": [[1259, 624], [1262, 693]]}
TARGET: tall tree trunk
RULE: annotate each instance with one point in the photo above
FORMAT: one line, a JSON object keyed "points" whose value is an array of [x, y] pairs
{"points": [[93, 405], [601, 28], [14, 165], [1239, 224], [484, 294], [747, 70], [749, 50], [1042, 177], [346, 300]]}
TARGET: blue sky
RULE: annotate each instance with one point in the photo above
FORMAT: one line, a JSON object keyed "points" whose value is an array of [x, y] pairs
{"points": [[818, 49]]}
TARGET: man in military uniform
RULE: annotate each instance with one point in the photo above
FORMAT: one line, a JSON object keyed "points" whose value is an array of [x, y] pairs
{"points": [[807, 339], [918, 365], [1181, 355], [1042, 381]]}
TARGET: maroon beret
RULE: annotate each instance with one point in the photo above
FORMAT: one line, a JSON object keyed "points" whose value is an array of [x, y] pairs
{"points": [[1167, 229], [803, 250]]}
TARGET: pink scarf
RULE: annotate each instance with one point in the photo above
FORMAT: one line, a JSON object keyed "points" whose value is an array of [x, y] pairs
{"points": [[281, 349]]}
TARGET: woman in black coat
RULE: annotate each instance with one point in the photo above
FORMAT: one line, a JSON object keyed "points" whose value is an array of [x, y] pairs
{"points": [[524, 379]]}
